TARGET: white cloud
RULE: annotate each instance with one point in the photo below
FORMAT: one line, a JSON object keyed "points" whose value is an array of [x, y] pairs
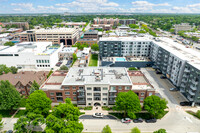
{"points": [[148, 4], [26, 6], [194, 5]]}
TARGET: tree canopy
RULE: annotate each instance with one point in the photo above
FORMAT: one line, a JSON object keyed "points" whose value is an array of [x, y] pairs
{"points": [[9, 44], [135, 130], [35, 85], [95, 47], [63, 67], [64, 118], [106, 129], [38, 103], [155, 105], [160, 131], [28, 123], [127, 102], [10, 97], [1, 122]]}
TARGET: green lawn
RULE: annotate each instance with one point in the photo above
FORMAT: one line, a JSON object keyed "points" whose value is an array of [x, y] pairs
{"points": [[20, 113], [7, 113], [93, 60], [193, 113]]}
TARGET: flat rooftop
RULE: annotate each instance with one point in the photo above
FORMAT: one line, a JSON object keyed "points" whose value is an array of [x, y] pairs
{"points": [[97, 75], [124, 39], [190, 55], [56, 30], [91, 32]]}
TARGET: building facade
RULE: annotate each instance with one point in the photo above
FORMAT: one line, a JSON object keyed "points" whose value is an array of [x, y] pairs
{"points": [[182, 27], [178, 63], [96, 86], [127, 21], [67, 36]]}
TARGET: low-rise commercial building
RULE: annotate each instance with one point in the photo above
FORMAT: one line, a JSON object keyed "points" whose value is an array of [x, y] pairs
{"points": [[127, 21], [182, 27], [30, 55], [67, 53], [97, 85], [67, 36]]}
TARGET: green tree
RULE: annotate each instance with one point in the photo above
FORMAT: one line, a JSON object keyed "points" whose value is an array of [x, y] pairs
{"points": [[49, 74], [4, 69], [13, 69], [63, 67], [198, 113], [1, 122], [135, 130], [95, 47], [28, 123], [38, 103], [127, 102], [134, 26], [160, 131], [74, 57], [35, 85], [64, 118], [10, 97], [155, 105], [9, 44], [106, 129]]}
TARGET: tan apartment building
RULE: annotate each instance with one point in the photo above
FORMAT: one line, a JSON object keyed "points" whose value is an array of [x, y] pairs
{"points": [[67, 36], [91, 86]]}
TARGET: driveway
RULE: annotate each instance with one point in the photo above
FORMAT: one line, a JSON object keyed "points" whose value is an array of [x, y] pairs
{"points": [[110, 117]]}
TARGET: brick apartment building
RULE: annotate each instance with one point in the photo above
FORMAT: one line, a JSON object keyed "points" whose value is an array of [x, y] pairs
{"points": [[24, 79], [95, 85]]}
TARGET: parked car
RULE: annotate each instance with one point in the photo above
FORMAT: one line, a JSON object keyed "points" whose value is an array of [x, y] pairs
{"points": [[151, 120], [163, 77], [98, 115], [9, 131], [157, 72], [173, 89], [138, 120], [126, 120], [185, 103], [58, 64]]}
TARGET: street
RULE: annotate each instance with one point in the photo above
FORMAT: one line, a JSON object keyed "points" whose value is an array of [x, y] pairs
{"points": [[176, 121]]}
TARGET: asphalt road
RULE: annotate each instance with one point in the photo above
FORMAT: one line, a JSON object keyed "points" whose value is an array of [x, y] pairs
{"points": [[91, 117]]}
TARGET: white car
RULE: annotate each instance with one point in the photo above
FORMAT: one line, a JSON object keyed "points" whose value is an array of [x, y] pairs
{"points": [[126, 120], [98, 115]]}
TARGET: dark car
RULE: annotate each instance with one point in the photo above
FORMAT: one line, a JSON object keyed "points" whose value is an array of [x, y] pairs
{"points": [[163, 77], [185, 103], [157, 72], [138, 120], [9, 131], [58, 64], [151, 120]]}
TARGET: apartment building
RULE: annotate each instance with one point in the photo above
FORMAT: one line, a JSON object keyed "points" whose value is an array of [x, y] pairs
{"points": [[23, 25], [91, 34], [30, 55], [124, 46], [127, 21], [67, 36], [179, 63], [91, 86], [182, 27], [113, 22]]}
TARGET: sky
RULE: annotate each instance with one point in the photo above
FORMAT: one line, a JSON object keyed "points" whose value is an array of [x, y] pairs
{"points": [[92, 6]]}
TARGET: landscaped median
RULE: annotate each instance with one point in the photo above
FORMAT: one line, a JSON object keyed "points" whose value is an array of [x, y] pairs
{"points": [[93, 60]]}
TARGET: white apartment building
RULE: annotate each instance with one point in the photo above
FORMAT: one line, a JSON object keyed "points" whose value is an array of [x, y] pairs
{"points": [[30, 55]]}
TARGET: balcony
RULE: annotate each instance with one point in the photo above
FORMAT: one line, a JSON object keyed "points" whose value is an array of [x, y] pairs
{"points": [[186, 70], [113, 90], [191, 93], [194, 88], [80, 90], [184, 80], [97, 89], [81, 96], [81, 102], [112, 96], [189, 98], [185, 76], [111, 102], [183, 85], [194, 82]]}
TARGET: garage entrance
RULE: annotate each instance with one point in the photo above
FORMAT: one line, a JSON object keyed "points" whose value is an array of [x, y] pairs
{"points": [[97, 104]]}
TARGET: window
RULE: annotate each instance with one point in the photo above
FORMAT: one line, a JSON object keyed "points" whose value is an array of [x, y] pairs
{"points": [[89, 104], [74, 93], [67, 88], [105, 99], [52, 94], [89, 98], [59, 99], [23, 92], [74, 98], [105, 88], [150, 94], [89, 88], [127, 88], [42, 61], [142, 93], [80, 88], [52, 98], [120, 88], [142, 98], [104, 94], [89, 94], [67, 93], [74, 88], [104, 103]]}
